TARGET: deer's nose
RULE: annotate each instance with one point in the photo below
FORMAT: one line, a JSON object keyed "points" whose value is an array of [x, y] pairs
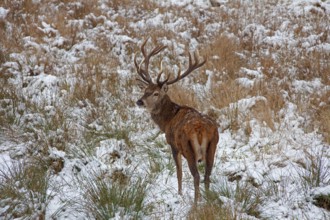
{"points": [[139, 102]]}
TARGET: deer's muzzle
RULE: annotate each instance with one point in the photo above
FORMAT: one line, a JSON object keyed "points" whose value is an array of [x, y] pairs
{"points": [[140, 102]]}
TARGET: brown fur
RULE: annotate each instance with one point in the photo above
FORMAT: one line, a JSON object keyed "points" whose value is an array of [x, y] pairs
{"points": [[181, 125]]}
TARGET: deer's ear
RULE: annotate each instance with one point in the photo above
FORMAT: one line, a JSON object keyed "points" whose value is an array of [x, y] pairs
{"points": [[165, 87]]}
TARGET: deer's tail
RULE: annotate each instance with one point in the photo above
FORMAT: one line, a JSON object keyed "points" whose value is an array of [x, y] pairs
{"points": [[199, 143]]}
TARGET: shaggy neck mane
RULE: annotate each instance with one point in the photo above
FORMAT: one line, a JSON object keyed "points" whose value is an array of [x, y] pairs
{"points": [[163, 113]]}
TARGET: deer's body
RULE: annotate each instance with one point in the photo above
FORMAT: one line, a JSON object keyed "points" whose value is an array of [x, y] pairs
{"points": [[184, 124], [188, 132]]}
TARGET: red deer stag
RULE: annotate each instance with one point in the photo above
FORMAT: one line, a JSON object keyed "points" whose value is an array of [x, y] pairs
{"points": [[188, 132]]}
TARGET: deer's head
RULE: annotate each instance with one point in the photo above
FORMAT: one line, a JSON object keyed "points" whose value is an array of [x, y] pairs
{"points": [[154, 92]]}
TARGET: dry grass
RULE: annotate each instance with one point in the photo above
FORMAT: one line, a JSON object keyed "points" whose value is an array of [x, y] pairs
{"points": [[209, 211], [245, 199], [98, 72], [104, 199], [324, 119], [104, 96], [321, 116], [226, 54], [184, 96], [23, 190], [222, 54]]}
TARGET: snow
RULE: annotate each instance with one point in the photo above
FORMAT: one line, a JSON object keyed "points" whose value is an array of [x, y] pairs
{"points": [[3, 13], [276, 157], [313, 86]]}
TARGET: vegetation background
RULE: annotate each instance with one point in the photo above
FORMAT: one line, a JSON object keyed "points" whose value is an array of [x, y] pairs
{"points": [[73, 145]]}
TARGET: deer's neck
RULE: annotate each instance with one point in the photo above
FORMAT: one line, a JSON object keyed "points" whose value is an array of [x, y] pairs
{"points": [[164, 112]]}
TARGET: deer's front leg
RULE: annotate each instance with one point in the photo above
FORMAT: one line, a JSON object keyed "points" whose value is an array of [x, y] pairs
{"points": [[178, 164]]}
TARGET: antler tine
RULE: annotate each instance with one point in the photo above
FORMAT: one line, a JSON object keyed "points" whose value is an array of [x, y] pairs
{"points": [[144, 72], [192, 66], [142, 81], [161, 83], [141, 72]]}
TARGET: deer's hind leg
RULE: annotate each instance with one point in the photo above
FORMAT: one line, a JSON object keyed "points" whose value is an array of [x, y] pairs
{"points": [[190, 156], [210, 153], [178, 163]]}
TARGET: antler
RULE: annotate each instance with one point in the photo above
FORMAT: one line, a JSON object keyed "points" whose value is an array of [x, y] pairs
{"points": [[192, 66], [144, 72]]}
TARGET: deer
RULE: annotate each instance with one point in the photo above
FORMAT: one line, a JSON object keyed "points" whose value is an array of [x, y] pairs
{"points": [[188, 132]]}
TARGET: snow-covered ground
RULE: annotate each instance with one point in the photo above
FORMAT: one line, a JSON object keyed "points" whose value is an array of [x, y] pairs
{"points": [[68, 93]]}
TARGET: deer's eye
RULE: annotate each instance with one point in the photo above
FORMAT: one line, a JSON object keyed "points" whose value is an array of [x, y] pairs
{"points": [[156, 94]]}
